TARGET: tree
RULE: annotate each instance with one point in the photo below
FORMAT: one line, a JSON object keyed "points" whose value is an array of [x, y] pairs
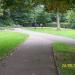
{"points": [[58, 6], [43, 18], [18, 10], [7, 5], [70, 16], [36, 11], [21, 5]]}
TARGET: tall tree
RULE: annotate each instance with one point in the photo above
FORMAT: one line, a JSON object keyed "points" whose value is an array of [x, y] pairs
{"points": [[7, 5], [20, 5], [58, 6]]}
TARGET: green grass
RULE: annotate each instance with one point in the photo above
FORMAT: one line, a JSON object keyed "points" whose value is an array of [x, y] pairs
{"points": [[8, 41], [62, 47], [65, 54], [64, 32]]}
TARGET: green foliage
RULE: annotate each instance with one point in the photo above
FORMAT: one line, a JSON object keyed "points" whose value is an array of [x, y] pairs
{"points": [[35, 12], [59, 5], [21, 18], [71, 18], [31, 11], [8, 22], [63, 17], [8, 3], [73, 24], [43, 18], [1, 22]]}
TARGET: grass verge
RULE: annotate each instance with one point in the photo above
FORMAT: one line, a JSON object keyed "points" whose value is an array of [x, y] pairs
{"points": [[8, 41], [65, 58], [64, 32]]}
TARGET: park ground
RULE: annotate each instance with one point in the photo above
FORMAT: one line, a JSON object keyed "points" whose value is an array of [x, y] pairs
{"points": [[53, 30], [64, 53]]}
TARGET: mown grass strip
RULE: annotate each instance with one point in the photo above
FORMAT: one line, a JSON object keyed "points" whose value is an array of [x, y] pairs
{"points": [[10, 40], [65, 57]]}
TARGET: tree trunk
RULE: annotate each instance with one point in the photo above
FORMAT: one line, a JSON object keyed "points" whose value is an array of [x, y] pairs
{"points": [[58, 21]]}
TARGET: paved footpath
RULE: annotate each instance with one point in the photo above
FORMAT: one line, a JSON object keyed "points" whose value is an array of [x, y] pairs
{"points": [[34, 56]]}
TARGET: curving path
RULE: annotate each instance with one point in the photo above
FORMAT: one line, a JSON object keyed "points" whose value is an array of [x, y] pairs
{"points": [[34, 56]]}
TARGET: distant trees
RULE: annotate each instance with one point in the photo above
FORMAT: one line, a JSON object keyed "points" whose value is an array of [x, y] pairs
{"points": [[18, 10], [44, 18], [59, 6], [36, 11], [70, 16]]}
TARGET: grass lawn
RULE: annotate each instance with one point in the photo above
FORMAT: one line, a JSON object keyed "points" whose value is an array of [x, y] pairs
{"points": [[65, 57], [64, 32], [8, 41]]}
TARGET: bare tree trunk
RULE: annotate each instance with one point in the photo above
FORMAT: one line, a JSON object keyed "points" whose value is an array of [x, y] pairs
{"points": [[58, 21]]}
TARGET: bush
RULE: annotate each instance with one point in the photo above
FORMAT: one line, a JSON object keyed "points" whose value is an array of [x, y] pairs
{"points": [[73, 24], [8, 22], [2, 22]]}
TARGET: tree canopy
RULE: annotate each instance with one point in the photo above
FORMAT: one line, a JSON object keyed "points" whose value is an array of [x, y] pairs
{"points": [[35, 10]]}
